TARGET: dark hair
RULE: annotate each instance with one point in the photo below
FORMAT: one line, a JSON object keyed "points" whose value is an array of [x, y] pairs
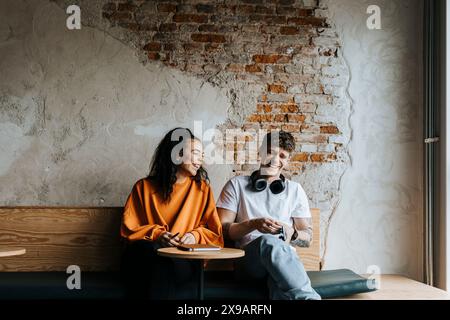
{"points": [[285, 140], [163, 170]]}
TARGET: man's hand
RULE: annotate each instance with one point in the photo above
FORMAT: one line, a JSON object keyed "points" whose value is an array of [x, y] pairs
{"points": [[188, 238], [288, 231], [266, 225], [167, 239]]}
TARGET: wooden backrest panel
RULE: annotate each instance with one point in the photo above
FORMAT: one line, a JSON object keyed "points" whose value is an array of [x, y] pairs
{"points": [[311, 256], [56, 237]]}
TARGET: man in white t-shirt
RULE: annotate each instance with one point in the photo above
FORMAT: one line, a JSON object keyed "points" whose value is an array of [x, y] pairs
{"points": [[264, 214]]}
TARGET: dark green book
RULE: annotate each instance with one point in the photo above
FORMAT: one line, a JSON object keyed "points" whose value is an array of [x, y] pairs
{"points": [[340, 283]]}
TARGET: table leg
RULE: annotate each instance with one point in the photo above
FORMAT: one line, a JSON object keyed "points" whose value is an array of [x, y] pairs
{"points": [[201, 280]]}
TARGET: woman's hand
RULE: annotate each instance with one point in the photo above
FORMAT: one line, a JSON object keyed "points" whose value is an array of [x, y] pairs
{"points": [[188, 238], [167, 239]]}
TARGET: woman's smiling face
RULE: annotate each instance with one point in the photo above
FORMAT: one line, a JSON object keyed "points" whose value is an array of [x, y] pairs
{"points": [[192, 156]]}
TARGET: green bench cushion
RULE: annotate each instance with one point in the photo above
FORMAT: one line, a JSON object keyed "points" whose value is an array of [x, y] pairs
{"points": [[218, 285]]}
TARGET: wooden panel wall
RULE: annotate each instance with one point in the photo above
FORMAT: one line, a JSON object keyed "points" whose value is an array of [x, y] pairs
{"points": [[57, 237]]}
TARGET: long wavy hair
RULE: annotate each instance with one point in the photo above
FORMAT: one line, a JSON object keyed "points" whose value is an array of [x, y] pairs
{"points": [[163, 170]]}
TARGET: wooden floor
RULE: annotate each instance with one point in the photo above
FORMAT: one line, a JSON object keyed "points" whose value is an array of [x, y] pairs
{"points": [[395, 287]]}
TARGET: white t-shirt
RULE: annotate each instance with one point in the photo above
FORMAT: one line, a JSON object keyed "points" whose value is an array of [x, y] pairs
{"points": [[238, 196]]}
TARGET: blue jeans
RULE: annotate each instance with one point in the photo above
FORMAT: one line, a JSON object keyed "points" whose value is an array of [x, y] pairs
{"points": [[270, 257]]}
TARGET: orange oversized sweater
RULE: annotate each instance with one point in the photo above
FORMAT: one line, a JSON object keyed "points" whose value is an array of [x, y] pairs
{"points": [[191, 209]]}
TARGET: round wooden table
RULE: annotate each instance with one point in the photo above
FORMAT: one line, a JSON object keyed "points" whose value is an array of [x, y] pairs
{"points": [[10, 251], [223, 253]]}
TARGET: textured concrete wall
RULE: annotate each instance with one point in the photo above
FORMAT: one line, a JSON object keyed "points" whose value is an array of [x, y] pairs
{"points": [[81, 111], [80, 116], [378, 219]]}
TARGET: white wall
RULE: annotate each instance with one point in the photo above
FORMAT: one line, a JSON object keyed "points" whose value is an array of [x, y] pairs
{"points": [[377, 221]]}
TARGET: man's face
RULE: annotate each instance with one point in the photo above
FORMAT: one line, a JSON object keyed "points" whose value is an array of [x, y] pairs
{"points": [[274, 161]]}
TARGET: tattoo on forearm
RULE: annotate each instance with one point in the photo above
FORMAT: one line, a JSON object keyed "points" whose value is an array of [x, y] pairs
{"points": [[304, 238], [301, 243]]}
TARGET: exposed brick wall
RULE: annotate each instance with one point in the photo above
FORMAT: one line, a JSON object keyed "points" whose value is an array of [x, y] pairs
{"points": [[284, 49]]}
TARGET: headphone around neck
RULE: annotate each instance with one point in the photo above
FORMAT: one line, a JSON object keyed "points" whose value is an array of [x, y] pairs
{"points": [[260, 184]]}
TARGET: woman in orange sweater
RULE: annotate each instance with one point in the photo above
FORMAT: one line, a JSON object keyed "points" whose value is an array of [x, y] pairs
{"points": [[173, 205]]}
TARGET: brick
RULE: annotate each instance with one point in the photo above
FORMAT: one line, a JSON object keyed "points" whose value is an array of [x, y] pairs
{"points": [[204, 8], [300, 157], [308, 107], [126, 7], [185, 8], [332, 157], [329, 129], [212, 68], [264, 10], [152, 46], [246, 9], [261, 58], [212, 47], [162, 37], [268, 19], [276, 88], [305, 12], [233, 67], [309, 128], [252, 68], [263, 107], [286, 2], [317, 157], [309, 148], [185, 29], [313, 98], [167, 27], [326, 148], [289, 30], [252, 1], [337, 140], [167, 7], [307, 21], [208, 28], [288, 11], [300, 88], [195, 18], [201, 37], [289, 108], [281, 118], [192, 47], [260, 118], [279, 97], [296, 118], [312, 138], [274, 69], [291, 127], [153, 55]]}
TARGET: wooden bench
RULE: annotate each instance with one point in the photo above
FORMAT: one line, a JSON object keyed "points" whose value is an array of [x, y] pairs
{"points": [[57, 237]]}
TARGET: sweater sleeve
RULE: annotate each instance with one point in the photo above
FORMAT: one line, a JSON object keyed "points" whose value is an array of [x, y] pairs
{"points": [[135, 224], [209, 230]]}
